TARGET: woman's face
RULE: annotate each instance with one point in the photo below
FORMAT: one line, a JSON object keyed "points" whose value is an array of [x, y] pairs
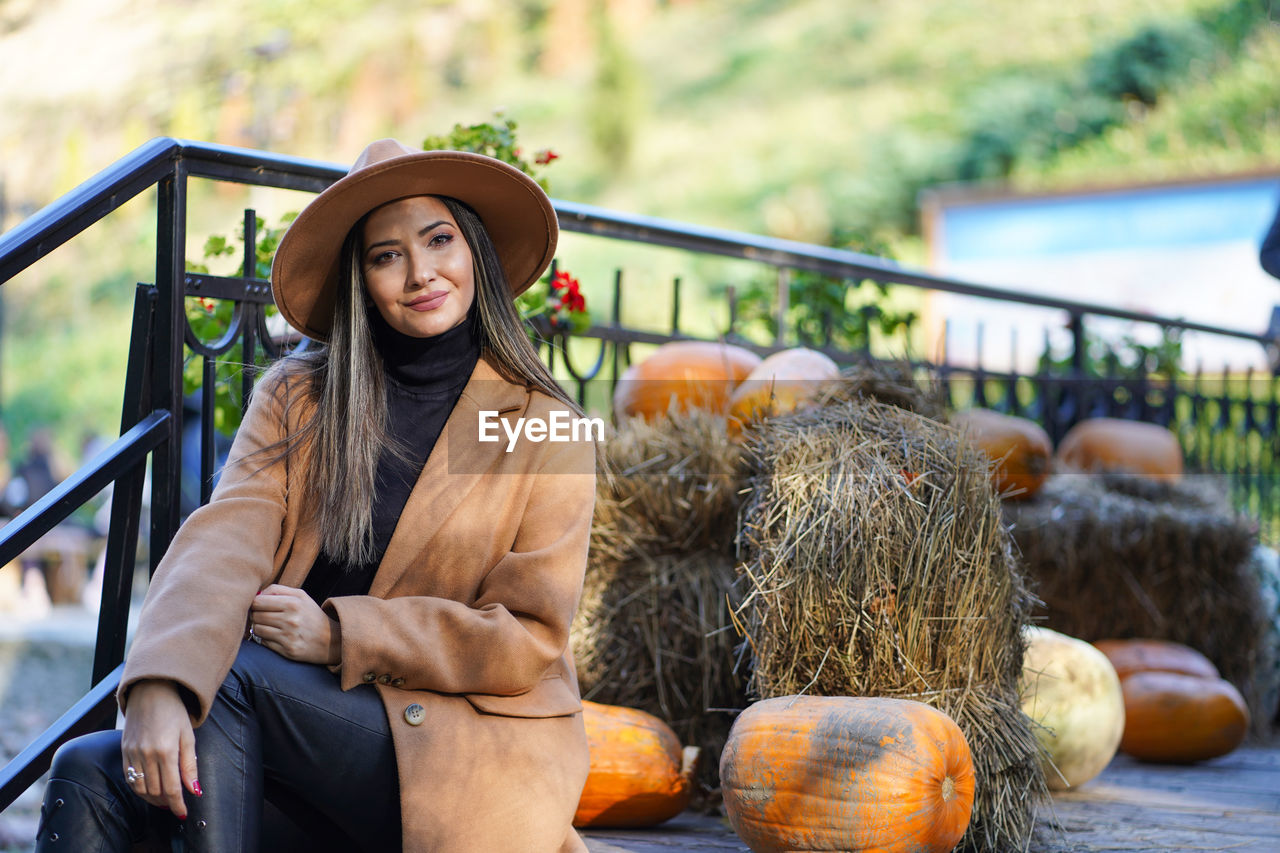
{"points": [[417, 266]]}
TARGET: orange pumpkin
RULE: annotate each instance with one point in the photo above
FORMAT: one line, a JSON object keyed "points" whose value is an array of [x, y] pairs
{"points": [[1133, 447], [1020, 448], [682, 375], [1130, 656], [639, 775], [842, 773], [1174, 718], [781, 383]]}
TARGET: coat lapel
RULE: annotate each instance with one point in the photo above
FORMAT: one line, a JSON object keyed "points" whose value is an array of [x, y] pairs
{"points": [[452, 470]]}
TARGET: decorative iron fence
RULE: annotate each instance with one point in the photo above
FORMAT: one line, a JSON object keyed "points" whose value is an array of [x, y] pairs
{"points": [[1227, 424]]}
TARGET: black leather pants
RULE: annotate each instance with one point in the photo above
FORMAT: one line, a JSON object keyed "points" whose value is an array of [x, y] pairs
{"points": [[280, 732]]}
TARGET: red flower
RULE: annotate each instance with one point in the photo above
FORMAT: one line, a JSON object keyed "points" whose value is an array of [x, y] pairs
{"points": [[572, 297], [567, 294], [545, 156], [207, 304]]}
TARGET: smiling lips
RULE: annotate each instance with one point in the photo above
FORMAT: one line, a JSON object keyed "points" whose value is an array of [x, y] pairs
{"points": [[429, 301]]}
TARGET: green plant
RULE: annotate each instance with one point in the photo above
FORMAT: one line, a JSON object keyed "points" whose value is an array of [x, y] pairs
{"points": [[1026, 118], [1142, 66], [557, 298], [614, 100], [822, 310], [1031, 118], [210, 319], [1127, 359], [495, 139]]}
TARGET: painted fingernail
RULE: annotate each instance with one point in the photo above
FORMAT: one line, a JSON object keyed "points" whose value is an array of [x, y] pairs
{"points": [[195, 786]]}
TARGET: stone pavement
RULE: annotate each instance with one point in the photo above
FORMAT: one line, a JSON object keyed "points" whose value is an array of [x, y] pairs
{"points": [[1227, 803], [688, 831]]}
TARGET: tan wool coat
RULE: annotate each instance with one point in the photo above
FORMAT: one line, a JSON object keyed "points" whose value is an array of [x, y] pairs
{"points": [[468, 615]]}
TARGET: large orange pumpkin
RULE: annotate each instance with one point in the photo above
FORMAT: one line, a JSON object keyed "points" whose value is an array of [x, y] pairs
{"points": [[1176, 718], [843, 773], [682, 375], [1130, 656], [1020, 448], [639, 774], [781, 383], [1134, 447]]}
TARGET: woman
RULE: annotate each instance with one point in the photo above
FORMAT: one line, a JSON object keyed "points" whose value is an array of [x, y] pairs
{"points": [[406, 589]]}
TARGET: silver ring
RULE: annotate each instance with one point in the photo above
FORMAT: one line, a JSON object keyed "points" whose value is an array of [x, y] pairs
{"points": [[131, 775], [254, 637]]}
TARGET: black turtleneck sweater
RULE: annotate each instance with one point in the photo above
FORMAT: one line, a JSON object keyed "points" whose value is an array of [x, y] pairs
{"points": [[424, 379]]}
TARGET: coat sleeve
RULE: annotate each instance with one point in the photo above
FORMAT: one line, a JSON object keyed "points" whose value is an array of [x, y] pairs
{"points": [[517, 627], [194, 616]]}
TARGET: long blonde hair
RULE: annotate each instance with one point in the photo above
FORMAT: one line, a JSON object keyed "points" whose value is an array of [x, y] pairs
{"points": [[347, 431]]}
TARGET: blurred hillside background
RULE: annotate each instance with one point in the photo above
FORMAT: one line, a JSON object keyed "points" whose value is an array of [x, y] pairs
{"points": [[816, 120]]}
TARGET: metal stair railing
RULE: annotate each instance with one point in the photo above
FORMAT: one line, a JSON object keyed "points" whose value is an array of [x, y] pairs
{"points": [[152, 407]]}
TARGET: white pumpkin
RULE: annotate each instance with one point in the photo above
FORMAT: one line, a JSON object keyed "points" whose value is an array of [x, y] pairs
{"points": [[1072, 693]]}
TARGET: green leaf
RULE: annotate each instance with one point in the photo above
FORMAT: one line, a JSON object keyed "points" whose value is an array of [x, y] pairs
{"points": [[496, 139], [216, 246]]}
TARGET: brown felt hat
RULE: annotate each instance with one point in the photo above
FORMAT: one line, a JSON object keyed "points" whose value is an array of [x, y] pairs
{"points": [[515, 211]]}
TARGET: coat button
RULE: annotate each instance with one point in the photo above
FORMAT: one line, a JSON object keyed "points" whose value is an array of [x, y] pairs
{"points": [[370, 677], [384, 679], [415, 714], [397, 682]]}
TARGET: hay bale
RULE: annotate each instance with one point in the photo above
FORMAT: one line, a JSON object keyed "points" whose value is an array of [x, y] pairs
{"points": [[653, 630], [1116, 555], [895, 383], [878, 565], [655, 633], [668, 487]]}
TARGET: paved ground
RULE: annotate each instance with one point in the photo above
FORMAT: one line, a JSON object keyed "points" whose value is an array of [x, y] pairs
{"points": [[1231, 803], [686, 832]]}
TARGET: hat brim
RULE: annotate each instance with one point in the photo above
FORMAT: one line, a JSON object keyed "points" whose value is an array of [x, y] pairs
{"points": [[514, 209]]}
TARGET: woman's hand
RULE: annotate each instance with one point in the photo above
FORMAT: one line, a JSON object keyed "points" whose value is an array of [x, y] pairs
{"points": [[159, 745], [287, 620]]}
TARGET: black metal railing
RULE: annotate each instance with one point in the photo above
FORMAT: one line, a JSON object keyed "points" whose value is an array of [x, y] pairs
{"points": [[151, 420], [1225, 427]]}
